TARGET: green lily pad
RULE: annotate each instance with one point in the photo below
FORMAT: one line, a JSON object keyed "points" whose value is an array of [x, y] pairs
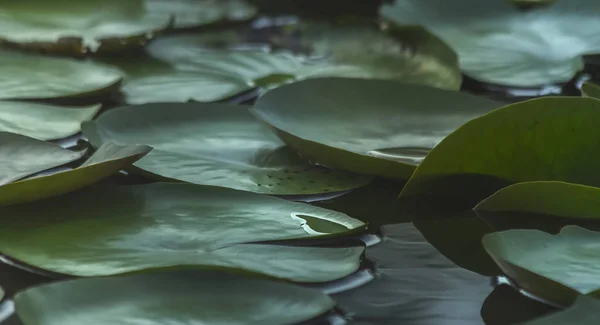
{"points": [[207, 68], [557, 268], [498, 43], [23, 156], [174, 298], [589, 89], [410, 55], [27, 76], [215, 144], [585, 311], [76, 27], [42, 121], [368, 126], [108, 159], [162, 225], [195, 13], [545, 139], [1, 293], [549, 198]]}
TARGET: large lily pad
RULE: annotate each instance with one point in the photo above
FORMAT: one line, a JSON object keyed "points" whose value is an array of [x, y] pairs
{"points": [[546, 139], [192, 67], [195, 13], [23, 156], [162, 225], [44, 122], [549, 198], [370, 126], [498, 43], [76, 27], [175, 298], [216, 144], [26, 76], [554, 267], [108, 159]]}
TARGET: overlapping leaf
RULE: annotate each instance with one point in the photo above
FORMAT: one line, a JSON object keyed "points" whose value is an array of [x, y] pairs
{"points": [[370, 126], [163, 225], [216, 144], [546, 139], [175, 298], [498, 43], [75, 27], [555, 267], [107, 160]]}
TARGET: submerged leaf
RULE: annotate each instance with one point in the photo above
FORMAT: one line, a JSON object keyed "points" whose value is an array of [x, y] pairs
{"points": [[75, 27], [174, 298], [27, 76], [545, 139], [215, 144], [42, 121], [369, 126], [133, 228], [554, 267], [498, 43], [108, 159]]}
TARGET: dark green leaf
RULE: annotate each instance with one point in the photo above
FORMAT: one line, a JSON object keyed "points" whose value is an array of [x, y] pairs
{"points": [[174, 298], [195, 13]]}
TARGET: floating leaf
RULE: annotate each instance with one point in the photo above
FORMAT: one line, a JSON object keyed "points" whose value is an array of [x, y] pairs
{"points": [[410, 55], [589, 89], [42, 121], [216, 144], [195, 13], [498, 43], [550, 198], [108, 159], [26, 76], [545, 139], [133, 228], [553, 267], [209, 68], [23, 156], [76, 27], [368, 126], [175, 298], [585, 311]]}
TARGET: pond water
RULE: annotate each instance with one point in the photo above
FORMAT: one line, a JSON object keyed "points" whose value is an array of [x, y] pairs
{"points": [[405, 278]]}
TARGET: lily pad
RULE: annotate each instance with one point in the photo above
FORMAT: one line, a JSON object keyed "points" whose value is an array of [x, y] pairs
{"points": [[208, 68], [23, 156], [215, 144], [498, 43], [549, 198], [76, 27], [108, 159], [369, 126], [27, 76], [545, 139], [175, 298], [44, 122], [589, 89], [585, 311], [133, 228], [195, 13], [410, 55], [557, 268]]}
